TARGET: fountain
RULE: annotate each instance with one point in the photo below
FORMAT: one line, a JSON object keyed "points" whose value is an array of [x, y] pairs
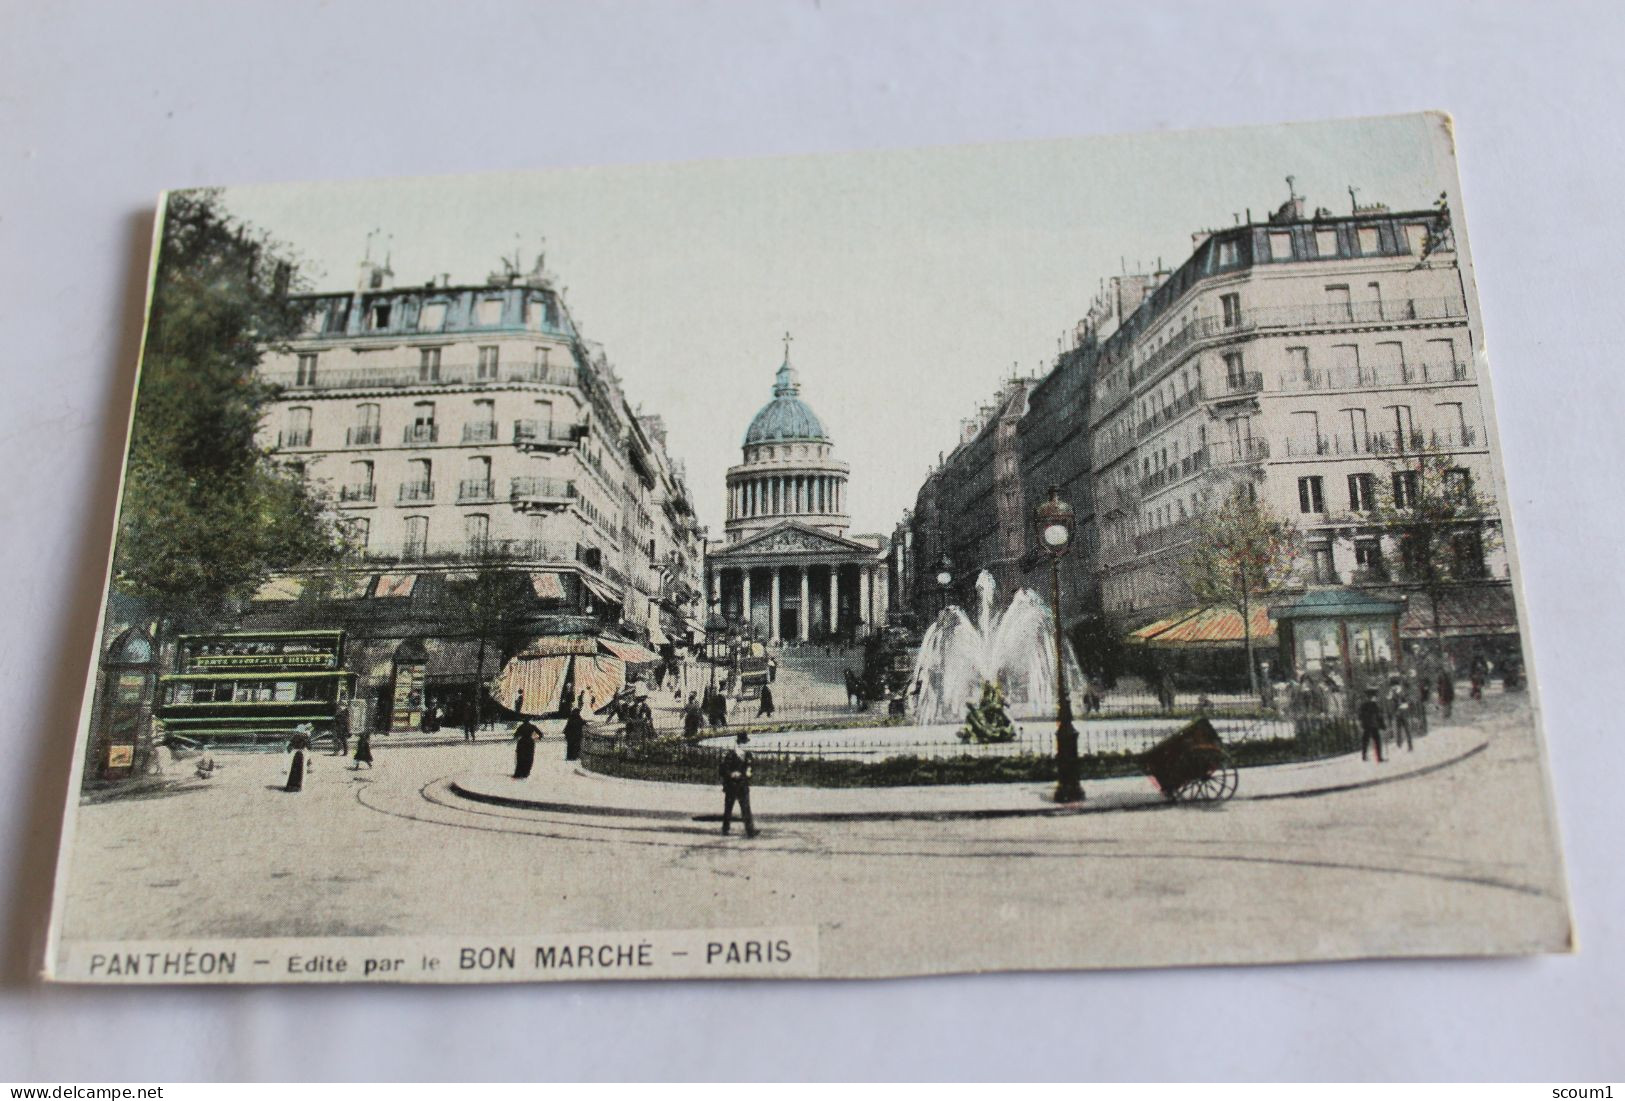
{"points": [[1014, 649]]}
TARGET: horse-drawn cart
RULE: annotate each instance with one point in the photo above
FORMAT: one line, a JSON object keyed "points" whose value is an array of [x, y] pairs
{"points": [[1192, 765]]}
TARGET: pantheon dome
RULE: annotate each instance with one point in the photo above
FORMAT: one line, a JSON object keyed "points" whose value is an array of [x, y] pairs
{"points": [[788, 470]]}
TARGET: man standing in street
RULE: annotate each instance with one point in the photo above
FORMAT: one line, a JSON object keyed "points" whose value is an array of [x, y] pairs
{"points": [[735, 771], [1371, 724]]}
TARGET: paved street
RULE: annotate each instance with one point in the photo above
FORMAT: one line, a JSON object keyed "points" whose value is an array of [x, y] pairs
{"points": [[1418, 865]]}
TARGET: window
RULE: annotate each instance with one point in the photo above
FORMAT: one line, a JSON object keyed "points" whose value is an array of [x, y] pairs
{"points": [[305, 373], [1306, 438], [1458, 483], [1326, 243], [422, 429], [1280, 246], [297, 433], [428, 364], [1452, 421], [488, 311], [1402, 426], [339, 318], [1310, 497], [417, 537], [1297, 364], [1338, 305], [432, 318], [1235, 375], [365, 431], [360, 487], [1368, 241], [1362, 492], [1417, 236], [378, 317], [356, 531], [1227, 253], [1358, 433], [1467, 555], [1231, 305], [1321, 563], [477, 530], [543, 361], [476, 485], [1368, 559], [539, 315], [1405, 488], [488, 362]]}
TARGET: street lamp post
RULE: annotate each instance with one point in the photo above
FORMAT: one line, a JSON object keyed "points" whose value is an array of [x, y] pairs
{"points": [[945, 578], [714, 625], [1056, 519]]}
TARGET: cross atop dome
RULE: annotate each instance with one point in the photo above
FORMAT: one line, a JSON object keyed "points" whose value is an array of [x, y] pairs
{"points": [[787, 384]]}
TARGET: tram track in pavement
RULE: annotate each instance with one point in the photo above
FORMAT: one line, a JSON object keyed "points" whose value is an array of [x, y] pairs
{"points": [[432, 803]]}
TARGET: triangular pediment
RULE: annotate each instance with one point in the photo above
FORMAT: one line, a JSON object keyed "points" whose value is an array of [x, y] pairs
{"points": [[794, 538]]}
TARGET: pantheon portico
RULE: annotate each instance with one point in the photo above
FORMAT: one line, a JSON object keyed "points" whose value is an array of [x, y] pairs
{"points": [[788, 567]]}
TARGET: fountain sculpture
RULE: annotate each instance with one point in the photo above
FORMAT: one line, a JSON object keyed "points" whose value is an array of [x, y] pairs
{"points": [[1013, 649]]}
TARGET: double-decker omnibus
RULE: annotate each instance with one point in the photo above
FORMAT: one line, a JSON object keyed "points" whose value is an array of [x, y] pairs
{"points": [[252, 689]]}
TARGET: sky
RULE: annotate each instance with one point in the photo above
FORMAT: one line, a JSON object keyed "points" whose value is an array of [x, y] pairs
{"points": [[913, 282]]}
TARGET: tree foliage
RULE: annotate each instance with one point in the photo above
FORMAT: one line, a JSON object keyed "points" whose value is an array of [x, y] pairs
{"points": [[1441, 525], [206, 514], [1241, 550]]}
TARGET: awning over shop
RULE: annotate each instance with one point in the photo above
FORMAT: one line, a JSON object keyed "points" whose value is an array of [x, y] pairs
{"points": [[601, 591], [561, 646], [1476, 610], [545, 680], [1206, 627], [547, 586], [395, 584], [280, 588], [458, 659], [629, 652], [1336, 604]]}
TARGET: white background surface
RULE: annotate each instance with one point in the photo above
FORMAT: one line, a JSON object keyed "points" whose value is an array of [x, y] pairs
{"points": [[102, 106]]}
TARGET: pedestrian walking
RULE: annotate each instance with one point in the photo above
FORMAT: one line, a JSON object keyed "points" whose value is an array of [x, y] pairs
{"points": [[574, 727], [719, 710], [1399, 702], [471, 724], [735, 771], [519, 702], [1447, 693], [363, 751], [341, 733], [525, 737], [766, 704], [298, 745], [1371, 725], [691, 717], [1476, 676]]}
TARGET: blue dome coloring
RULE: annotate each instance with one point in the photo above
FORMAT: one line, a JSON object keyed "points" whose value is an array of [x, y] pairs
{"points": [[786, 417]]}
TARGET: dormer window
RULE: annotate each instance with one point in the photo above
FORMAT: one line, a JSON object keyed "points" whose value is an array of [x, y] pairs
{"points": [[379, 318]]}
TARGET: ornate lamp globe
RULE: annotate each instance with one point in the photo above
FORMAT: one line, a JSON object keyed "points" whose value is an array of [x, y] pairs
{"points": [[1056, 519], [945, 575]]}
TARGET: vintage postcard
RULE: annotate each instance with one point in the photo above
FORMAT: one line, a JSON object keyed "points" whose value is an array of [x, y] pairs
{"points": [[1073, 554]]}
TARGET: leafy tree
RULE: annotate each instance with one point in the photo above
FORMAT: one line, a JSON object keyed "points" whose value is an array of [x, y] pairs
{"points": [[1241, 552], [1442, 527], [490, 604], [206, 514]]}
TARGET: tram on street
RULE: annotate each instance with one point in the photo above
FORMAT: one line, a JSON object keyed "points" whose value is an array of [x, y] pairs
{"points": [[250, 690]]}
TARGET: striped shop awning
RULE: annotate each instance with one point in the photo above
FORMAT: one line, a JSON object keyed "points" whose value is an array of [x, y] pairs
{"points": [[1206, 627]]}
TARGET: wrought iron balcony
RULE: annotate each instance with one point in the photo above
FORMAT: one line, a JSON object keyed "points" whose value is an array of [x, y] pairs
{"points": [[479, 431], [422, 433], [541, 493], [365, 492], [294, 437], [416, 491], [1371, 377], [533, 435], [476, 489], [362, 435]]}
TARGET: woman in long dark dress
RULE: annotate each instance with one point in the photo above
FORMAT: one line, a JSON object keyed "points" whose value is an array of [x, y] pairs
{"points": [[363, 751], [574, 727], [297, 745], [524, 755]]}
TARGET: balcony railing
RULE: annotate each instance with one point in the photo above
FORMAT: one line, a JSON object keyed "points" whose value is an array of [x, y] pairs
{"points": [[1365, 378], [1253, 449], [541, 491], [1297, 317], [1370, 575], [362, 435], [479, 432], [294, 437], [545, 434], [367, 492], [416, 491], [1247, 382], [422, 433], [447, 374], [1178, 532], [1398, 443], [476, 489]]}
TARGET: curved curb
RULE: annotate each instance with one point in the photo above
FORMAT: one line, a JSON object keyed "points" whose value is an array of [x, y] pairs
{"points": [[1146, 801]]}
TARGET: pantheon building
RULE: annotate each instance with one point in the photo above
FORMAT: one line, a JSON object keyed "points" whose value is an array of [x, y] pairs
{"points": [[787, 567]]}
